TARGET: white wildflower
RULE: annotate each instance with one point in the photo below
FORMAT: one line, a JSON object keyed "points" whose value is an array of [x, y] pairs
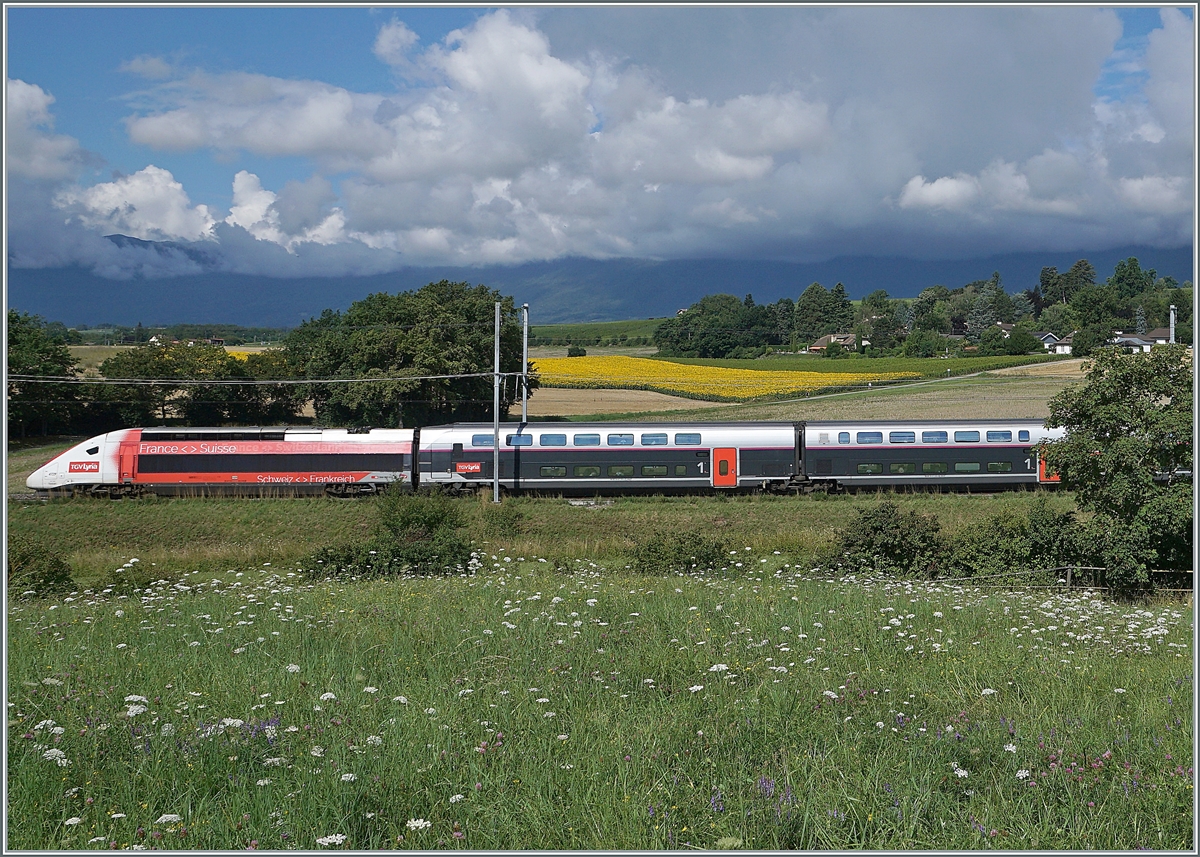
{"points": [[332, 839], [418, 824], [293, 668]]}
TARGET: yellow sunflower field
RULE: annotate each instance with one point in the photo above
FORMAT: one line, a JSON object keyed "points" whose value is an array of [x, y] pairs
{"points": [[697, 382]]}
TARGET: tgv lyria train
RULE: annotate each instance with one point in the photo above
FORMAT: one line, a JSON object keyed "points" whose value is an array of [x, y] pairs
{"points": [[555, 458]]}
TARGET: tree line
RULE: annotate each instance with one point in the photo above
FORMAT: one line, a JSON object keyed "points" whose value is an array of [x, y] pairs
{"points": [[939, 320], [389, 360]]}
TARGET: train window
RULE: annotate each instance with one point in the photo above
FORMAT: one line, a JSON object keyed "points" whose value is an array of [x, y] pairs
{"points": [[870, 437], [823, 437], [999, 466], [843, 437], [966, 467], [553, 440], [999, 437], [966, 437], [654, 470], [1023, 436], [620, 470], [687, 439], [519, 440], [934, 437], [870, 468], [587, 440], [902, 437], [456, 452], [620, 440], [903, 467], [933, 467], [681, 470], [723, 466], [552, 470], [586, 470], [654, 439], [481, 440], [92, 450]]}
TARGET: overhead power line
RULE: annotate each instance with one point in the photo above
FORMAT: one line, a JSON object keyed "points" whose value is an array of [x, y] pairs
{"points": [[231, 382]]}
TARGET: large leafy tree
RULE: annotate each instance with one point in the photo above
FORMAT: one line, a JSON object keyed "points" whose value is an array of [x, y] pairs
{"points": [[722, 326], [441, 329], [35, 350], [1127, 448], [169, 366]]}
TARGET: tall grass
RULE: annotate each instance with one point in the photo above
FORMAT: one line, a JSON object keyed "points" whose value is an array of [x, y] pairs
{"points": [[519, 704], [216, 534]]}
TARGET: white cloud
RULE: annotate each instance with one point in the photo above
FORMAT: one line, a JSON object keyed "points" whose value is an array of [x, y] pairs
{"points": [[393, 44], [150, 204], [149, 67], [32, 150], [287, 219], [792, 132], [1156, 194], [951, 192]]}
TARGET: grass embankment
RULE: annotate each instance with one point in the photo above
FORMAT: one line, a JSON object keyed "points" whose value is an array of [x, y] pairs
{"points": [[174, 536], [521, 706]]}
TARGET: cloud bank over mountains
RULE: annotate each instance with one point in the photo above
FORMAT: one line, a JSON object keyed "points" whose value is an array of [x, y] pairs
{"points": [[794, 134]]}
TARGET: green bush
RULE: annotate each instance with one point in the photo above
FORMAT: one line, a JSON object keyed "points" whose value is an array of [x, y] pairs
{"points": [[890, 541], [417, 533], [501, 519], [32, 566], [678, 552], [576, 351], [996, 544]]}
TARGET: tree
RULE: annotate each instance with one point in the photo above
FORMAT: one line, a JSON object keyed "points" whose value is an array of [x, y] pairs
{"points": [[1129, 280], [1021, 341], [718, 326], [34, 350], [812, 314], [841, 311], [1128, 441], [931, 310], [441, 329]]}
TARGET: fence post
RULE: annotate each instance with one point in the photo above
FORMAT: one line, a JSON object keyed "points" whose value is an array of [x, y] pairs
{"points": [[1068, 578]]}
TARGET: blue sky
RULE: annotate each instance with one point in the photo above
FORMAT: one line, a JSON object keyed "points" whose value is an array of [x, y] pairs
{"points": [[354, 140]]}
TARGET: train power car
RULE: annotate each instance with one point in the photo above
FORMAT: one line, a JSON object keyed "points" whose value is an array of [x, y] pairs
{"points": [[556, 458], [230, 461]]}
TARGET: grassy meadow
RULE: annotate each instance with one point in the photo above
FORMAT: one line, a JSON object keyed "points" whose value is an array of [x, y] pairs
{"points": [[526, 703]]}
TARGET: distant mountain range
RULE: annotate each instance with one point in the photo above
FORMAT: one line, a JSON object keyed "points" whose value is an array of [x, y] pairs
{"points": [[566, 290]]}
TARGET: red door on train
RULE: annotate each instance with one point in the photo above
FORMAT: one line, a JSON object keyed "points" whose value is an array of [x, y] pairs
{"points": [[724, 468], [128, 462]]}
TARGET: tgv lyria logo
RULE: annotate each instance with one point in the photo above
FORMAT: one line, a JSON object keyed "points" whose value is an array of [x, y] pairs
{"points": [[84, 467]]}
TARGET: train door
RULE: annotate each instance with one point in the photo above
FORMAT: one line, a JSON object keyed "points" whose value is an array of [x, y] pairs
{"points": [[724, 468], [1045, 474], [128, 462]]}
